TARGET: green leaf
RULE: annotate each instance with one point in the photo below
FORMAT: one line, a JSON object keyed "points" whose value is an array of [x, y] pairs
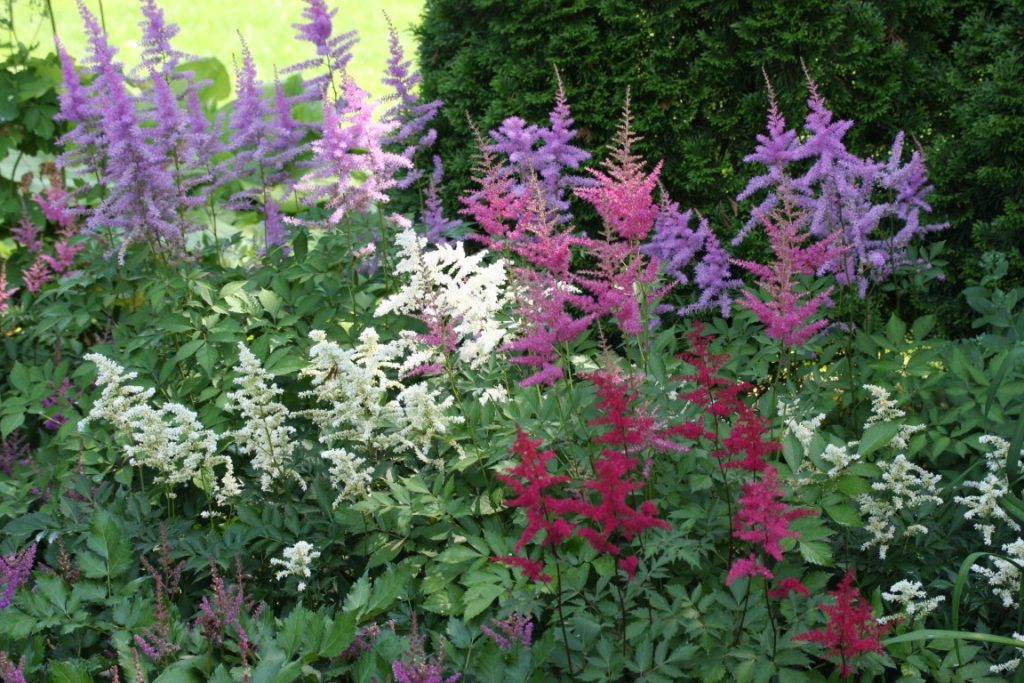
{"points": [[852, 485], [105, 539], [816, 552], [62, 672], [340, 635], [846, 515], [876, 436], [19, 378], [8, 423]]}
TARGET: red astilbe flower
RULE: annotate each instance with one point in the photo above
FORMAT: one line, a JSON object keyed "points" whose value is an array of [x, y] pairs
{"points": [[530, 479], [631, 430], [851, 629]]}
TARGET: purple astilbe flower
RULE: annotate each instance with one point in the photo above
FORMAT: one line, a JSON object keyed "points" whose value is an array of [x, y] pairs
{"points": [[157, 52], [838, 191], [623, 194], [15, 571], [439, 228], [141, 199], [61, 394], [27, 235], [333, 51], [83, 144], [416, 666], [544, 153], [11, 672], [351, 147], [276, 232], [222, 611], [14, 450], [788, 312], [515, 628], [6, 292], [410, 113]]}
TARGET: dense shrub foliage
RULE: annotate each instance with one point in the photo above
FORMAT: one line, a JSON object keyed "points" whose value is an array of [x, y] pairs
{"points": [[257, 425]]}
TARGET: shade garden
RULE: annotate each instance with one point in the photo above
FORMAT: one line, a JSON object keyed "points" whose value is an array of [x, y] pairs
{"points": [[275, 410]]}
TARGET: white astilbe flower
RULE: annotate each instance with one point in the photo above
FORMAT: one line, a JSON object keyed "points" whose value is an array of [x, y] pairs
{"points": [[425, 416], [296, 562], [169, 440], [354, 383], [904, 487], [884, 409], [802, 430], [458, 296], [839, 458], [367, 406], [347, 474], [912, 600], [117, 397], [984, 508], [265, 436], [1004, 579], [1011, 665], [494, 395]]}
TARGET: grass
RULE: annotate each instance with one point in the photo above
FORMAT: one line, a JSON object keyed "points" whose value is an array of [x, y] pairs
{"points": [[208, 28]]}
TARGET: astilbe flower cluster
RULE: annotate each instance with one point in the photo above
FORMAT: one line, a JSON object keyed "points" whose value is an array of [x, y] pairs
{"points": [[513, 629], [789, 311], [11, 672], [14, 450], [333, 51], [416, 666], [840, 192], [15, 572], [440, 228], [221, 612], [407, 110], [851, 630]]}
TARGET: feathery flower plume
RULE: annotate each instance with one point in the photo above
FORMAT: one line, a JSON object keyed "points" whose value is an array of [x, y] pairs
{"points": [[515, 628], [851, 629], [296, 562], [5, 292], [440, 229], [15, 571], [416, 666]]}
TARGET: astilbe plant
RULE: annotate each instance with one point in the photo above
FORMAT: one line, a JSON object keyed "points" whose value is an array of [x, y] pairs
{"points": [[851, 630], [11, 672], [789, 311], [333, 51], [418, 667], [15, 572], [841, 192]]}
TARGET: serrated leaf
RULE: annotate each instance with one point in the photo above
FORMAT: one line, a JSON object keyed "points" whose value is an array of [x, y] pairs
{"points": [[62, 672], [816, 552], [105, 539], [339, 635]]}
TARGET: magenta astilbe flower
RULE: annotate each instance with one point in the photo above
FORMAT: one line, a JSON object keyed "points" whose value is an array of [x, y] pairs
{"points": [[15, 572], [416, 666], [788, 312], [532, 569], [5, 292], [440, 229], [352, 146], [747, 566], [851, 629], [515, 628], [56, 205], [763, 519], [408, 111], [787, 586], [623, 195]]}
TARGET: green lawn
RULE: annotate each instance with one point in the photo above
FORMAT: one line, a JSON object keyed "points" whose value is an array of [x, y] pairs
{"points": [[209, 27]]}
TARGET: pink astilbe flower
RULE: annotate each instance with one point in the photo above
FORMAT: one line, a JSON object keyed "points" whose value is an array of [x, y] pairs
{"points": [[614, 284], [763, 519], [532, 569], [498, 204], [515, 628], [787, 314], [352, 146], [747, 566], [221, 612], [56, 204], [789, 585], [11, 672], [629, 566], [63, 258], [37, 275], [15, 572], [851, 629], [623, 195], [5, 292]]}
